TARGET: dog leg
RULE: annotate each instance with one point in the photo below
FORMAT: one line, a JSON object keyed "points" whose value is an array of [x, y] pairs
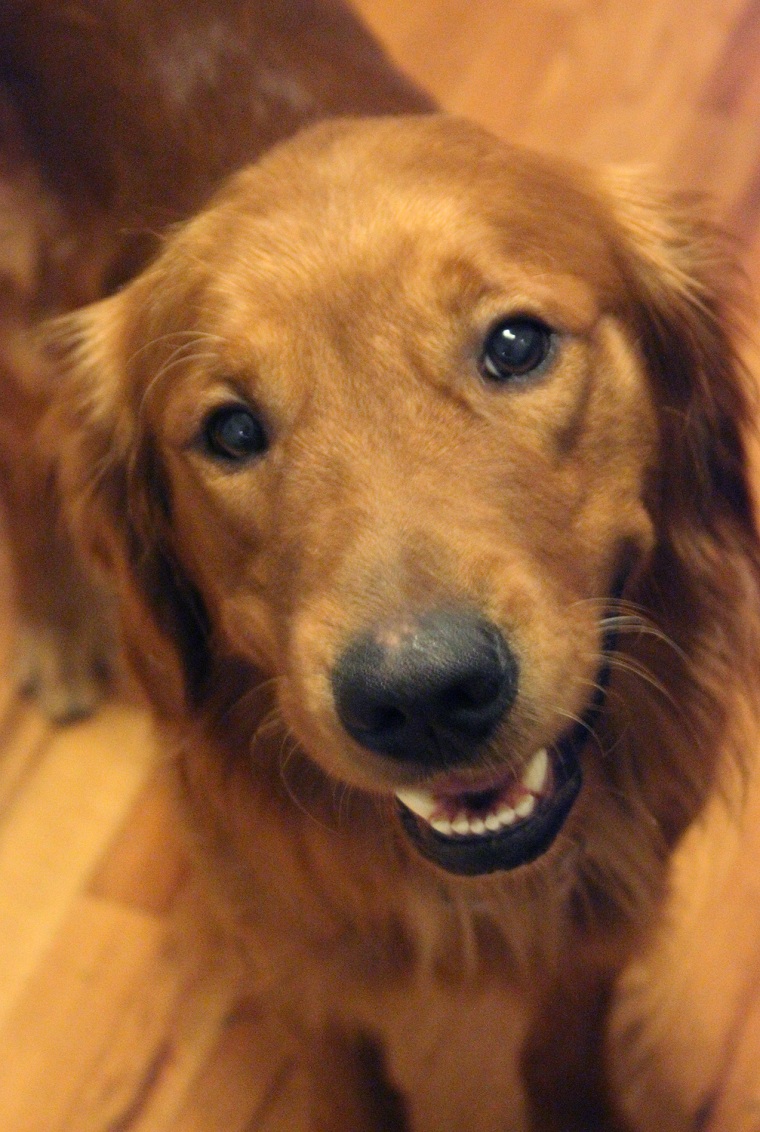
{"points": [[350, 1089], [64, 642], [564, 1060]]}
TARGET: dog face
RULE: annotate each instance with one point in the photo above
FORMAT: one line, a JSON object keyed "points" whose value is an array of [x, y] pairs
{"points": [[387, 422]]}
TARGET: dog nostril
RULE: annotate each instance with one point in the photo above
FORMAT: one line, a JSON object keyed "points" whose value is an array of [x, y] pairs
{"points": [[373, 718], [473, 693], [433, 693]]}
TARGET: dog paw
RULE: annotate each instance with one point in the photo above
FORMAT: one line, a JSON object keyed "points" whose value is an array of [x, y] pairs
{"points": [[66, 672]]}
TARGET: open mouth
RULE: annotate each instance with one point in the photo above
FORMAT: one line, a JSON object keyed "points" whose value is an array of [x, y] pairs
{"points": [[499, 825]]}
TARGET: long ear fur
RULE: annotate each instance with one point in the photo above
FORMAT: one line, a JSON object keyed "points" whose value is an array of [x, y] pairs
{"points": [[686, 296], [683, 295], [119, 505]]}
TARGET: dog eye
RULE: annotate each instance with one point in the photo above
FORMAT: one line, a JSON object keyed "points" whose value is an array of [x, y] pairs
{"points": [[515, 347], [234, 433]]}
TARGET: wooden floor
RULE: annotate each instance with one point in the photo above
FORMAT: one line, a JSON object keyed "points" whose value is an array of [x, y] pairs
{"points": [[116, 1013]]}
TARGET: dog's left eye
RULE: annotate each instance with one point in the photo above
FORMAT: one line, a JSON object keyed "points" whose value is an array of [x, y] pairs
{"points": [[516, 347], [235, 433]]}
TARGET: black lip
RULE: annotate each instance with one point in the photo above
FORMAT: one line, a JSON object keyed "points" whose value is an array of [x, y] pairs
{"points": [[509, 847]]}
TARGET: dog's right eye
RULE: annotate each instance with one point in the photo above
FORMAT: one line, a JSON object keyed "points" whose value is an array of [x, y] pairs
{"points": [[234, 433], [515, 348]]}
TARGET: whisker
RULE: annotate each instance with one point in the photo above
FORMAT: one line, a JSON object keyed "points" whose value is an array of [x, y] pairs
{"points": [[625, 616], [635, 624], [343, 801], [284, 758], [177, 358], [579, 721], [623, 663], [187, 336]]}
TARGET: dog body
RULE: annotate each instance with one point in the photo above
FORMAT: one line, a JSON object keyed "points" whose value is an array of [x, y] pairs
{"points": [[416, 463]]}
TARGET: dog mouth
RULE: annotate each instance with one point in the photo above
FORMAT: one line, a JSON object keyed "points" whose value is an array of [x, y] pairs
{"points": [[496, 824]]}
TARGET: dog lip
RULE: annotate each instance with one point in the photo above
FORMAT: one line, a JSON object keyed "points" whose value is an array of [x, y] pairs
{"points": [[511, 845]]}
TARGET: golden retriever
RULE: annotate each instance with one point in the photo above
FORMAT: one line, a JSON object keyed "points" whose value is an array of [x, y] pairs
{"points": [[417, 464], [424, 494]]}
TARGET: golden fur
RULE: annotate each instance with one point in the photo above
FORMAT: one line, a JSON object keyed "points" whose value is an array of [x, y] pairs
{"points": [[343, 288]]}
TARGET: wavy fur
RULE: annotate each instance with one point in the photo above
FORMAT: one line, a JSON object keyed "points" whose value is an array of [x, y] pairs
{"points": [[347, 930]]}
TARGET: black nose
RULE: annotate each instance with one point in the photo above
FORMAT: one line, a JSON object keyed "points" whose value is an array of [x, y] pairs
{"points": [[428, 690]]}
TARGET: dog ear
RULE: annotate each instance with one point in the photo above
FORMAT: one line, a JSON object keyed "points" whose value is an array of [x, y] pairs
{"points": [[682, 301], [117, 498], [684, 294]]}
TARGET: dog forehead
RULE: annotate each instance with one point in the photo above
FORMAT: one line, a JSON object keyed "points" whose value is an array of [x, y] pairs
{"points": [[367, 200]]}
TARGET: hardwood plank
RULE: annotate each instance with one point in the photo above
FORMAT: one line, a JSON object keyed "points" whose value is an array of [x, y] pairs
{"points": [[24, 740], [80, 989], [53, 835], [632, 83], [146, 863], [166, 1021]]}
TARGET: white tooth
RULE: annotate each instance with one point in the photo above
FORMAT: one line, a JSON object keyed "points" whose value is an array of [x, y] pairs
{"points": [[442, 826], [461, 824], [506, 816], [477, 825], [534, 776], [525, 807], [492, 822], [419, 802]]}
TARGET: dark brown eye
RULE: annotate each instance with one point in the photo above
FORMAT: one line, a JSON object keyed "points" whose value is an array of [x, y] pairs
{"points": [[514, 348], [234, 433]]}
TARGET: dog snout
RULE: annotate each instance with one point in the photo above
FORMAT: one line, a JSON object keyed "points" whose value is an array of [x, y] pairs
{"points": [[427, 690]]}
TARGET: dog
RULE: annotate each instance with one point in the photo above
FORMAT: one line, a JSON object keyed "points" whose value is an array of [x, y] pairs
{"points": [[425, 497], [417, 463]]}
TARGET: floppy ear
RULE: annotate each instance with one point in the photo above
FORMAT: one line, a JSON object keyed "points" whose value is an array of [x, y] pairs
{"points": [[118, 501], [685, 294], [683, 298]]}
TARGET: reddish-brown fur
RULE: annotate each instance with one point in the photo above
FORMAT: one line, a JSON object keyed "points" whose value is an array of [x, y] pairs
{"points": [[343, 286]]}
